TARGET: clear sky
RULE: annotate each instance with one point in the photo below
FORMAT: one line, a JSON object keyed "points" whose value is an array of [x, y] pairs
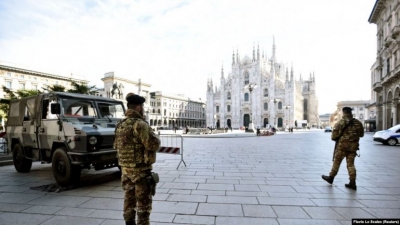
{"points": [[177, 45]]}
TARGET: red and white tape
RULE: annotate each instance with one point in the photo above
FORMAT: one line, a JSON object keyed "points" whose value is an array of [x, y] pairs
{"points": [[170, 150]]}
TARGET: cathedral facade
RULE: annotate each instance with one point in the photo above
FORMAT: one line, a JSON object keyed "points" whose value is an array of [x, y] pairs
{"points": [[261, 92]]}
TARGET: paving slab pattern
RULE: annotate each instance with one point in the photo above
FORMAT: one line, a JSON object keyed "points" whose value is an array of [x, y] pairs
{"points": [[231, 179]]}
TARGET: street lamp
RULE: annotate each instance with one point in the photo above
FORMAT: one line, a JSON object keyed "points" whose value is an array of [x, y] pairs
{"points": [[203, 115], [287, 107], [251, 87]]}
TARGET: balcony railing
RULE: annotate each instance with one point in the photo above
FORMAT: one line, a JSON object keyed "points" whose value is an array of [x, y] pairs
{"points": [[377, 87], [395, 31]]}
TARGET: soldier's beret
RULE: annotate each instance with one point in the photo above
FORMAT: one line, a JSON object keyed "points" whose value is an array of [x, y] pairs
{"points": [[347, 109], [135, 99], [129, 94]]}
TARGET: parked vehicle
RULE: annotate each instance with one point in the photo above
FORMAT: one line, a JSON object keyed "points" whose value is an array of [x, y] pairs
{"points": [[390, 136], [328, 129], [70, 131]]}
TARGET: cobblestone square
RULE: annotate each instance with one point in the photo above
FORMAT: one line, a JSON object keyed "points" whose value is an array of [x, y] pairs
{"points": [[229, 179]]}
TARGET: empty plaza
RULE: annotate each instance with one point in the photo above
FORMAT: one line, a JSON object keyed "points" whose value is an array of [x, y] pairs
{"points": [[230, 179]]}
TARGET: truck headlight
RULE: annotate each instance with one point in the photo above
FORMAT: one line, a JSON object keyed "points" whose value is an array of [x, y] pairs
{"points": [[93, 140]]}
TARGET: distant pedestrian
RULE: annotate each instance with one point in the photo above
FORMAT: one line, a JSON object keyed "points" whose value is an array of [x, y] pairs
{"points": [[258, 131], [346, 133]]}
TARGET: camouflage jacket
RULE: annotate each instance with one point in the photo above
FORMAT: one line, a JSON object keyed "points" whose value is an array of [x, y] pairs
{"points": [[351, 136], [135, 142]]}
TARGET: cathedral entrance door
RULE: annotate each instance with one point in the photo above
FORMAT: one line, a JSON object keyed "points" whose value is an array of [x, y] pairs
{"points": [[228, 122], [280, 122], [265, 122], [246, 120]]}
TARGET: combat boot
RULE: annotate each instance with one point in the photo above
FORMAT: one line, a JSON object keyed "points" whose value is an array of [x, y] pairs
{"points": [[352, 184], [130, 223], [328, 179]]}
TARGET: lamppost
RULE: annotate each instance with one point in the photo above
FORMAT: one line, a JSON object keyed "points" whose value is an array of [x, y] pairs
{"points": [[203, 115], [251, 87], [287, 107]]}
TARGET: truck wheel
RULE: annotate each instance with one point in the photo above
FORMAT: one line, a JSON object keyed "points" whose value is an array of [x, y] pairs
{"points": [[21, 164], [64, 172]]}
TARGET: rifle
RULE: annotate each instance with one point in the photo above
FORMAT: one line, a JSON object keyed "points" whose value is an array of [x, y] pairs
{"points": [[338, 138]]}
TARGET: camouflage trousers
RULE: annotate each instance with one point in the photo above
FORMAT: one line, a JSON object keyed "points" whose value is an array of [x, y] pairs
{"points": [[137, 200], [339, 156]]}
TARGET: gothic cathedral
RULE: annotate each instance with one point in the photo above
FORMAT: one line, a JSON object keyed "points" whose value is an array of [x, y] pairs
{"points": [[259, 92]]}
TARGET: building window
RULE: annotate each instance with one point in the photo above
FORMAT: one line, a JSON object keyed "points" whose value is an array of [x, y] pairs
{"points": [[266, 92], [361, 116], [265, 106], [22, 76], [8, 74], [165, 112], [34, 87], [34, 78], [246, 78], [217, 109], [229, 96], [22, 86], [228, 108], [159, 112], [387, 66], [279, 105], [8, 84], [246, 97]]}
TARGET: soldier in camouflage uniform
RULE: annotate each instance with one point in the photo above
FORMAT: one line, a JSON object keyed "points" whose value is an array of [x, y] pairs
{"points": [[136, 145], [346, 147]]}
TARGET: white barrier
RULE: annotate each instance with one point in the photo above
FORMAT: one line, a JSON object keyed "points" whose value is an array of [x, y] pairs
{"points": [[172, 144]]}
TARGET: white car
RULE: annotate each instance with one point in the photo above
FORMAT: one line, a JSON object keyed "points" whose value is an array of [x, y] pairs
{"points": [[390, 136]]}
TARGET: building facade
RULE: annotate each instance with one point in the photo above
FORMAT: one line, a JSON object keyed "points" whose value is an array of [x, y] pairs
{"points": [[161, 110], [15, 78], [325, 120], [175, 111], [385, 72], [260, 92], [362, 110]]}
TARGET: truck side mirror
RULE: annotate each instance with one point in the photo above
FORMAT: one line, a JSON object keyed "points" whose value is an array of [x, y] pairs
{"points": [[55, 108]]}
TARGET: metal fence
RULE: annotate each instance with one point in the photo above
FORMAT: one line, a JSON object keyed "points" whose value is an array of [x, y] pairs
{"points": [[172, 144]]}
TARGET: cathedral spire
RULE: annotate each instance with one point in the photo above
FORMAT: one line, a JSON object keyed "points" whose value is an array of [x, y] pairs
{"points": [[222, 71], [258, 52], [254, 53], [291, 73], [273, 50], [233, 57], [237, 56]]}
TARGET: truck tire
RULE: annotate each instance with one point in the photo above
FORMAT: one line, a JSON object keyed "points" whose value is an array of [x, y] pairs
{"points": [[21, 164], [64, 172]]}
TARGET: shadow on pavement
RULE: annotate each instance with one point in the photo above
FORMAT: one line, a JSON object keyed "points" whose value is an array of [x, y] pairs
{"points": [[88, 180]]}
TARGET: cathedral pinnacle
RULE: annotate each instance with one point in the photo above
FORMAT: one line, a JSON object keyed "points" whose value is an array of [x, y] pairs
{"points": [[273, 50], [222, 71], [233, 57], [254, 53], [258, 52]]}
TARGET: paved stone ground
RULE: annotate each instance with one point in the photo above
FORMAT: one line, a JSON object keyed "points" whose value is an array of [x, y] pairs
{"points": [[227, 181]]}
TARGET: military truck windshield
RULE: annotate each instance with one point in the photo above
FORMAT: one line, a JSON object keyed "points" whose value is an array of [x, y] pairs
{"points": [[78, 108], [111, 109]]}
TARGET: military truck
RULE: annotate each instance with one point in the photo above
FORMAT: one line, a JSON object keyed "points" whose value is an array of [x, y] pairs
{"points": [[70, 131]]}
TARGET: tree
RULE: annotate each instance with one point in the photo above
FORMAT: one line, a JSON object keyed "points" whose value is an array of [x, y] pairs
{"points": [[21, 93], [83, 89], [54, 87]]}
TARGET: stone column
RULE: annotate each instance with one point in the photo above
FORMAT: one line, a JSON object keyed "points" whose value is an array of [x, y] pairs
{"points": [[395, 102], [384, 119]]}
